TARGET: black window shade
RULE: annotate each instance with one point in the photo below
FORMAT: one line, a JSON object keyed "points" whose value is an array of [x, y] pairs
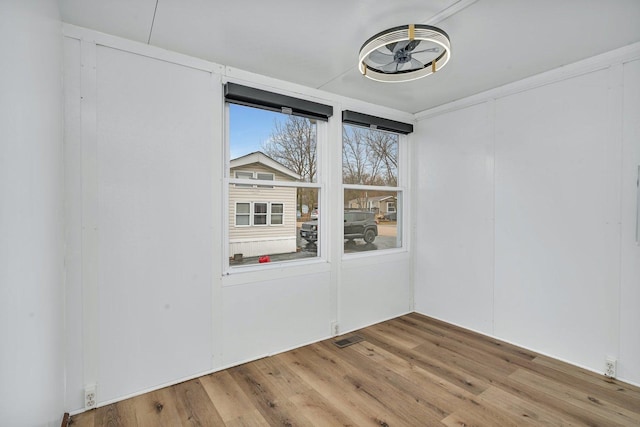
{"points": [[252, 97], [359, 119]]}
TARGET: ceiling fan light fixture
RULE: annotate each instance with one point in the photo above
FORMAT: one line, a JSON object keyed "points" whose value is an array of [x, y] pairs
{"points": [[404, 53]]}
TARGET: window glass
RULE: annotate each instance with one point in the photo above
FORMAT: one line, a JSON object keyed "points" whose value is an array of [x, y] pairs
{"points": [[265, 177], [277, 212], [278, 152], [259, 214], [243, 175], [243, 214], [369, 157], [372, 195]]}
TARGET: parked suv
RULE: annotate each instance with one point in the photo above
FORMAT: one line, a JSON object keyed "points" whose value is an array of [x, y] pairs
{"points": [[357, 225]]}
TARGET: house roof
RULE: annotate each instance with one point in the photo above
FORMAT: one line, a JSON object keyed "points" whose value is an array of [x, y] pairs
{"points": [[263, 159]]}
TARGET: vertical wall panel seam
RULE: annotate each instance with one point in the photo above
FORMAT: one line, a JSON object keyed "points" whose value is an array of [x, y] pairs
{"points": [[616, 123], [615, 112], [89, 173], [217, 327], [492, 152]]}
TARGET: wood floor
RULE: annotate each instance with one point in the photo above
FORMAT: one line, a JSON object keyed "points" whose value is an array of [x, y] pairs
{"points": [[410, 371]]}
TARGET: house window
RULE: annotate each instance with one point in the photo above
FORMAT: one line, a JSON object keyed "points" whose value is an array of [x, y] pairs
{"points": [[279, 152], [259, 214], [277, 213], [372, 188], [265, 177], [243, 175], [243, 214]]}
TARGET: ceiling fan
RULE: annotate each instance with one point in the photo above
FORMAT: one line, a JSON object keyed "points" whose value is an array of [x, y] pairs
{"points": [[404, 53]]}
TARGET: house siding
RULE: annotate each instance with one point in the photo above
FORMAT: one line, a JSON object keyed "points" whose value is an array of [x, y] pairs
{"points": [[262, 239]]}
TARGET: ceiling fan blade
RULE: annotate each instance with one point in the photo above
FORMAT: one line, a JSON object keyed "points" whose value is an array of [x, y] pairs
{"points": [[394, 47], [380, 57], [391, 67], [391, 47], [412, 45], [415, 64], [431, 49]]}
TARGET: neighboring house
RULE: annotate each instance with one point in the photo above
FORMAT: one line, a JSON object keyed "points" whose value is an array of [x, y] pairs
{"points": [[262, 218], [382, 205]]}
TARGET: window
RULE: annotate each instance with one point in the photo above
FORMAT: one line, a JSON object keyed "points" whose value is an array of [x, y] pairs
{"points": [[279, 152], [259, 214], [243, 214], [263, 213], [265, 177], [277, 213], [371, 183], [243, 175]]}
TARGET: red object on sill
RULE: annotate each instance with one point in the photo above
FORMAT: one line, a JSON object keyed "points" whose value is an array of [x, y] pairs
{"points": [[264, 259]]}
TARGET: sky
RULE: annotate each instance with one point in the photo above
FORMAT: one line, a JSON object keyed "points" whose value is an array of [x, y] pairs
{"points": [[249, 128]]}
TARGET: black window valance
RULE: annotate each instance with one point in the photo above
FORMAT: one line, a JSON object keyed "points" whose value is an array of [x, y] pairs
{"points": [[252, 97], [354, 118]]}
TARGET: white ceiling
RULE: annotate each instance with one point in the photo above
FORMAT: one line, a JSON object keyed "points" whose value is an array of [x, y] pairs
{"points": [[316, 43]]}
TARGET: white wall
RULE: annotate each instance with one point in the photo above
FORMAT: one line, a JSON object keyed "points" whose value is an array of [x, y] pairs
{"points": [[454, 220], [31, 215], [522, 192], [374, 289], [147, 302], [629, 366], [142, 215]]}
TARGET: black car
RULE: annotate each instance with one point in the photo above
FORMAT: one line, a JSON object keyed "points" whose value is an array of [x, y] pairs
{"points": [[357, 225]]}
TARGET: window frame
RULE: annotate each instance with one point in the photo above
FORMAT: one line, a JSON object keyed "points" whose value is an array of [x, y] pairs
{"points": [[271, 214], [257, 177], [400, 190], [248, 175], [251, 213], [391, 205], [319, 184], [247, 214], [255, 214]]}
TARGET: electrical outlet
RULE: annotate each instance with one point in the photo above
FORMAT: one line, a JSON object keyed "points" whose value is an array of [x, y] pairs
{"points": [[610, 367], [90, 397]]}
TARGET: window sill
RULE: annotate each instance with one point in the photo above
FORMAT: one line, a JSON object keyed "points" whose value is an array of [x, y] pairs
{"points": [[235, 276]]}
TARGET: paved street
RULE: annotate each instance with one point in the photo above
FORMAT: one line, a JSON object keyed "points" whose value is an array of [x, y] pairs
{"points": [[386, 239]]}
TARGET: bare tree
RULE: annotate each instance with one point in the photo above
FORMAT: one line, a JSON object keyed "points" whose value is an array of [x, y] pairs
{"points": [[359, 163], [369, 157], [384, 147], [293, 143]]}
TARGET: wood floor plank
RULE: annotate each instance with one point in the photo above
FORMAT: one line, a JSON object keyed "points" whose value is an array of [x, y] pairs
{"points": [[444, 395], [602, 411], [122, 413], [395, 392], [474, 339], [431, 364], [272, 404], [333, 382], [459, 347], [528, 411], [316, 408], [408, 371], [195, 406], [83, 419], [229, 399], [157, 409], [601, 386]]}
